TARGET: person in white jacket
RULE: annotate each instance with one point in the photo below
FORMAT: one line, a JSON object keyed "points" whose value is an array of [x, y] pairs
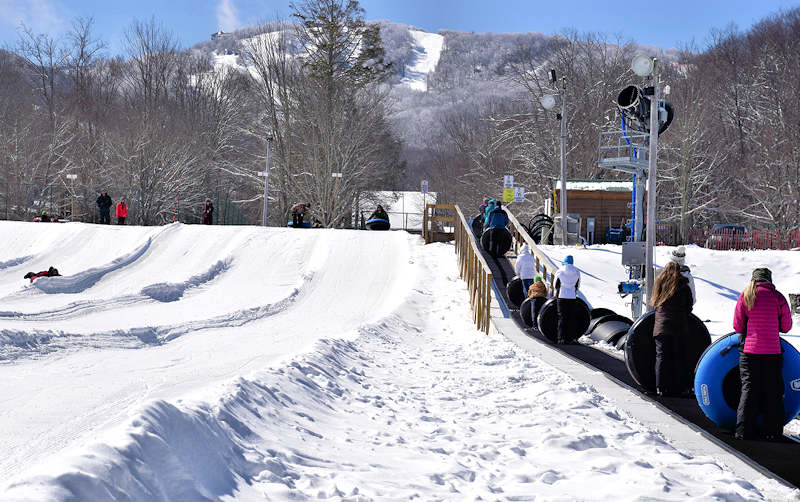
{"points": [[525, 267], [678, 255], [567, 282]]}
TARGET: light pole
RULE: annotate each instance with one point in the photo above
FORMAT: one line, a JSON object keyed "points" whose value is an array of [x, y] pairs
{"points": [[652, 173], [265, 174], [548, 102], [72, 178]]}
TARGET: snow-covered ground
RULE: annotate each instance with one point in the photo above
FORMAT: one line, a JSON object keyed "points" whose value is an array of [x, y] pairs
{"points": [[242, 363], [427, 49]]}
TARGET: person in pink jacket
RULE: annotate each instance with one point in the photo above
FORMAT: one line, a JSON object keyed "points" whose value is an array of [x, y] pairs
{"points": [[761, 313]]}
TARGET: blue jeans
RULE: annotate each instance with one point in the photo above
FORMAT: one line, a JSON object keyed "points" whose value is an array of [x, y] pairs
{"points": [[526, 284]]}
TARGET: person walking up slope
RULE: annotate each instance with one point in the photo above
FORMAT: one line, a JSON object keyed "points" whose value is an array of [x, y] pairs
{"points": [[760, 314], [567, 282], [672, 299], [525, 267], [678, 255]]}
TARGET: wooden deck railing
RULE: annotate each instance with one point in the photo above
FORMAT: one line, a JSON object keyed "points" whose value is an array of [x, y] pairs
{"points": [[474, 271], [544, 265]]}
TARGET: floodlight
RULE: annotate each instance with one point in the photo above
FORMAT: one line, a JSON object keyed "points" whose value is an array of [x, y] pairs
{"points": [[642, 65], [548, 101]]}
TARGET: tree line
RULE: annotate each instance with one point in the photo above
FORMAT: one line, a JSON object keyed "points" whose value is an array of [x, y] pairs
{"points": [[732, 153], [166, 127]]}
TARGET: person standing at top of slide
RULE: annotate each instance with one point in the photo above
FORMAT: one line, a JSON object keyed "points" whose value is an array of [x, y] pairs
{"points": [[104, 207]]}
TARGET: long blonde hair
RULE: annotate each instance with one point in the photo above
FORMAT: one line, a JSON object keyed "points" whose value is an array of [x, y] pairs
{"points": [[667, 284], [749, 294]]}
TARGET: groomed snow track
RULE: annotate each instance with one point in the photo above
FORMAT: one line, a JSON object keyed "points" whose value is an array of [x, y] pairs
{"points": [[774, 459]]}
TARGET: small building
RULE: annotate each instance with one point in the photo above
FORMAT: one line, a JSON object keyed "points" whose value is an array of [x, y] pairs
{"points": [[608, 202], [219, 35]]}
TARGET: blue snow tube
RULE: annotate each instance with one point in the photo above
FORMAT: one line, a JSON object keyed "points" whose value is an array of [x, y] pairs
{"points": [[377, 224], [717, 384], [306, 224]]}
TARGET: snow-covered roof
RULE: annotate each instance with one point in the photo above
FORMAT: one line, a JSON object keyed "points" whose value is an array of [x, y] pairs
{"points": [[595, 185]]}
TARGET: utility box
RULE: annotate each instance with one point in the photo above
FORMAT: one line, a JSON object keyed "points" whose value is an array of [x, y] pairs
{"points": [[573, 228], [634, 253]]}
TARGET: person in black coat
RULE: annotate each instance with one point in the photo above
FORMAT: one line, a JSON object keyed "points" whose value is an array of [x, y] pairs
{"points": [[672, 299], [103, 207], [208, 212], [379, 213]]}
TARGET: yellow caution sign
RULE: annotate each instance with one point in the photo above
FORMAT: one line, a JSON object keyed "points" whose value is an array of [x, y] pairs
{"points": [[508, 195]]}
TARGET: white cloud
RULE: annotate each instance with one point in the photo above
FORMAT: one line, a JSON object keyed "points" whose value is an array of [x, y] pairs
{"points": [[42, 16], [227, 17]]}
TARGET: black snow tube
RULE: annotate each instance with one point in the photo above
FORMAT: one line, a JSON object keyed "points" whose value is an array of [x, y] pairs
{"points": [[538, 225], [496, 241], [609, 328], [377, 224], [576, 323], [640, 351], [526, 310], [515, 292], [600, 312], [620, 345], [477, 225], [596, 321]]}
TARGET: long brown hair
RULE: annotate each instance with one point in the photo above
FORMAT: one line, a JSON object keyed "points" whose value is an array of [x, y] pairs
{"points": [[749, 294], [667, 284]]}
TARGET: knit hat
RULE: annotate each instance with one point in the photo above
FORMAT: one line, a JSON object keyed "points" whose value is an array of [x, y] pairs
{"points": [[678, 255], [762, 275], [538, 278], [568, 260]]}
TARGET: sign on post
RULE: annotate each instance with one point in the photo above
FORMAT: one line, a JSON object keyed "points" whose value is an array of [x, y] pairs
{"points": [[336, 175], [72, 176], [508, 188], [519, 194], [263, 174], [424, 186]]}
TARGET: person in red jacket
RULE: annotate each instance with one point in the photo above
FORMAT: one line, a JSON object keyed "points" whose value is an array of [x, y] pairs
{"points": [[760, 314], [122, 212]]}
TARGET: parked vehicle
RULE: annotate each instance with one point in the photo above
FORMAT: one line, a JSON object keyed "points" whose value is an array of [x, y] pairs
{"points": [[727, 236]]}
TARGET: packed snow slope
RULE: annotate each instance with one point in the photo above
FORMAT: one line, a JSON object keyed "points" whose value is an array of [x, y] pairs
{"points": [[201, 363]]}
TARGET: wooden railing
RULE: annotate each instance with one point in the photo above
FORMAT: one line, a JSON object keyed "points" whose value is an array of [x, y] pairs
{"points": [[432, 230], [474, 271], [544, 265]]}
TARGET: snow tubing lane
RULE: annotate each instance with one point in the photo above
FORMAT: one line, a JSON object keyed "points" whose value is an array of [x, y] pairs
{"points": [[306, 224], [610, 329], [600, 312], [576, 323], [515, 292], [640, 351], [377, 224], [717, 385], [526, 310], [501, 239]]}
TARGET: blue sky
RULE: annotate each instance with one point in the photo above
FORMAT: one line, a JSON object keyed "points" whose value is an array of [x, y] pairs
{"points": [[676, 22]]}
